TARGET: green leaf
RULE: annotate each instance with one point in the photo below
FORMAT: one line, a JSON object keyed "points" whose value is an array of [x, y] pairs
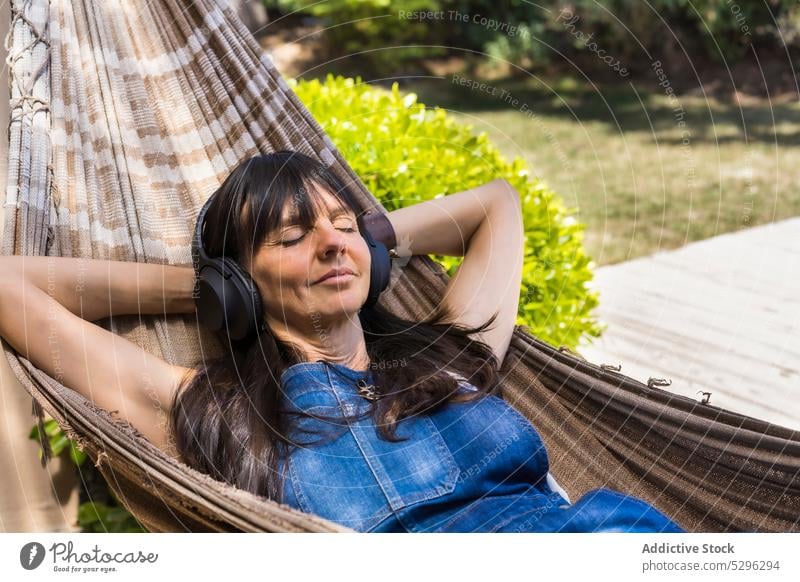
{"points": [[78, 456], [58, 443], [51, 428]]}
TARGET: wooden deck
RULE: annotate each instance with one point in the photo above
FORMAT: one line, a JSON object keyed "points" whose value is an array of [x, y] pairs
{"points": [[720, 316]]}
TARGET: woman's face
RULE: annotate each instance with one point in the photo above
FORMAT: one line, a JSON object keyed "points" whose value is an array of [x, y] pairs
{"points": [[289, 266]]}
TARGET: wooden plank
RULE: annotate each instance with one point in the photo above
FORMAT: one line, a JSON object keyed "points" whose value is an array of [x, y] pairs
{"points": [[720, 315]]}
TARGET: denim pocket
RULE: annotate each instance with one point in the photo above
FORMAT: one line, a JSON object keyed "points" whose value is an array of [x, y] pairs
{"points": [[359, 479]]}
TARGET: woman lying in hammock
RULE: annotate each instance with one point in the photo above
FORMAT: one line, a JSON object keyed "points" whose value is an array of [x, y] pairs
{"points": [[332, 405]]}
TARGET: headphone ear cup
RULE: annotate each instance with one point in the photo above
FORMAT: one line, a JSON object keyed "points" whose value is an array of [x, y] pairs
{"points": [[210, 284], [243, 302], [380, 270], [228, 299]]}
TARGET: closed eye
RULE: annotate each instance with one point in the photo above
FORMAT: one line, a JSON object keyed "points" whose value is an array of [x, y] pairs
{"points": [[294, 241]]}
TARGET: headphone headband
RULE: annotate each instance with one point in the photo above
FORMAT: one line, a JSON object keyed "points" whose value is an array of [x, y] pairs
{"points": [[198, 251]]}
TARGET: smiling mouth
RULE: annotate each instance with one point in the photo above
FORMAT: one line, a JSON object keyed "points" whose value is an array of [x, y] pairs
{"points": [[337, 279]]}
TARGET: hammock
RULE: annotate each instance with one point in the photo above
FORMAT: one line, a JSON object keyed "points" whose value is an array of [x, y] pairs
{"points": [[125, 118]]}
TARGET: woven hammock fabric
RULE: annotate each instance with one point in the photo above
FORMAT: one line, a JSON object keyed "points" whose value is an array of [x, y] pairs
{"points": [[127, 115]]}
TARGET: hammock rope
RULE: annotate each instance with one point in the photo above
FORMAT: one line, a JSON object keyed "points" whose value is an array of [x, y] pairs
{"points": [[127, 116], [24, 89]]}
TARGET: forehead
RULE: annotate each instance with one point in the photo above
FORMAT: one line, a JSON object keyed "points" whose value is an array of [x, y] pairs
{"points": [[322, 200]]}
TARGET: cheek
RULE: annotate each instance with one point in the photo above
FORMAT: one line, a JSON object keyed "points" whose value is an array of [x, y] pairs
{"points": [[362, 258], [282, 272], [363, 253]]}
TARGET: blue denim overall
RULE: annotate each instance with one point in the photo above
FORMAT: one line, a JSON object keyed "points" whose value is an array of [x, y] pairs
{"points": [[467, 467]]}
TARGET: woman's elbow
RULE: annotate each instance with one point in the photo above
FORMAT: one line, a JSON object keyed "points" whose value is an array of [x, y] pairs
{"points": [[507, 195]]}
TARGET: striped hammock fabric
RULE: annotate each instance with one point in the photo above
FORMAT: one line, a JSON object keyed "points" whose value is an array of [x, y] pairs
{"points": [[127, 115]]}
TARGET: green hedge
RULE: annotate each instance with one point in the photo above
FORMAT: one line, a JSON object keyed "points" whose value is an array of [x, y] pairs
{"points": [[405, 153]]}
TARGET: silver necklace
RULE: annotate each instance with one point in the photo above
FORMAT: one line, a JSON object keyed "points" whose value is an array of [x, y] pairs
{"points": [[365, 389]]}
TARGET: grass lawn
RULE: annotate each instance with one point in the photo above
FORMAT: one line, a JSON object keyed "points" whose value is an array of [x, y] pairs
{"points": [[617, 155]]}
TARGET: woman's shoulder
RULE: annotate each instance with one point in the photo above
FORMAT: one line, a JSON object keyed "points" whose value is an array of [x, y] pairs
{"points": [[182, 377]]}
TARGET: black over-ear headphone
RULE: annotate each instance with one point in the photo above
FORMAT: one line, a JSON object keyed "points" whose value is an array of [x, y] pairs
{"points": [[228, 299]]}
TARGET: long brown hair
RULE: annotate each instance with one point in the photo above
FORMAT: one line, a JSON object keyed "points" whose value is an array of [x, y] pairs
{"points": [[225, 418]]}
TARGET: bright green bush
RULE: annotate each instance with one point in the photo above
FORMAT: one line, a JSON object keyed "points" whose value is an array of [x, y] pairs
{"points": [[405, 153]]}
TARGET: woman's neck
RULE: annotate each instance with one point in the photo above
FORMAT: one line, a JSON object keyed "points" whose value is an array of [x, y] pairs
{"points": [[342, 344]]}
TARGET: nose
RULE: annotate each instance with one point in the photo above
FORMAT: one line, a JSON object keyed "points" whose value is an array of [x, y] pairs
{"points": [[330, 240]]}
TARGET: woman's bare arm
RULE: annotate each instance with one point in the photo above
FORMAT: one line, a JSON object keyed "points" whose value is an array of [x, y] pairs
{"points": [[107, 369], [444, 226], [93, 288], [484, 225]]}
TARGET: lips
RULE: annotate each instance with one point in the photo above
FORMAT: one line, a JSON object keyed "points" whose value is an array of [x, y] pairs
{"points": [[334, 273]]}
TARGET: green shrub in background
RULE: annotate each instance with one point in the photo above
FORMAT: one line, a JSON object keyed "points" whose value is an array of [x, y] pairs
{"points": [[376, 32], [371, 30], [530, 34], [721, 30], [509, 31], [405, 153]]}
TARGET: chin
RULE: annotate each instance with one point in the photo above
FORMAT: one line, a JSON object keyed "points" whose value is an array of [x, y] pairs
{"points": [[344, 302]]}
